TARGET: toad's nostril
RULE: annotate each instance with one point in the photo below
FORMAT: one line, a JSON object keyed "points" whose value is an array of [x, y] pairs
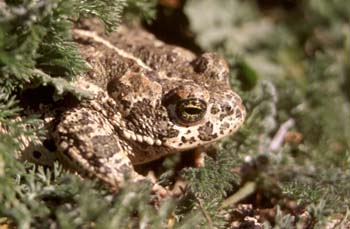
{"points": [[36, 154]]}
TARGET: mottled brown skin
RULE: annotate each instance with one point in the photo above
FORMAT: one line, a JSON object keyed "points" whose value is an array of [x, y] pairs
{"points": [[149, 99]]}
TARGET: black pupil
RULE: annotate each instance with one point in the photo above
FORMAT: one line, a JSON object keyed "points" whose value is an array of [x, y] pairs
{"points": [[193, 110]]}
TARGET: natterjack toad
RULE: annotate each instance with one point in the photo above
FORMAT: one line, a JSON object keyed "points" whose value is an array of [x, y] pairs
{"points": [[149, 99]]}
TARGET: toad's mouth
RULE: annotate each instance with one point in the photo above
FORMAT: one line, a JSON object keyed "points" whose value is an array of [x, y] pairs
{"points": [[130, 135]]}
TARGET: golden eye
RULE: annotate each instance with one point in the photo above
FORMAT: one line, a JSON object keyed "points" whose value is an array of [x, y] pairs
{"points": [[191, 110]]}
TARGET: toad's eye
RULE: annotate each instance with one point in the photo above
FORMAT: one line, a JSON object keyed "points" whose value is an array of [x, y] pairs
{"points": [[190, 110]]}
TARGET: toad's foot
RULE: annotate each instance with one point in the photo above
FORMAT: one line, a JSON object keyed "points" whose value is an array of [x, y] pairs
{"points": [[87, 143]]}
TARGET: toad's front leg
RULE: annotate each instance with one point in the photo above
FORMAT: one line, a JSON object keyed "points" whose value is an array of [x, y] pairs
{"points": [[89, 143]]}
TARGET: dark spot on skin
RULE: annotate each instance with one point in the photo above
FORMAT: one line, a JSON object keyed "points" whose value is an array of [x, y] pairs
{"points": [[172, 133], [238, 113], [228, 109], [222, 116], [192, 140], [223, 127], [205, 132], [36, 154], [50, 145], [200, 65], [117, 89], [214, 110], [171, 57], [154, 66], [170, 74], [126, 104], [130, 125], [183, 139], [188, 131]]}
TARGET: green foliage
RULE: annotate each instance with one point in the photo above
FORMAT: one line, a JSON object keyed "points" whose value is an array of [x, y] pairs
{"points": [[283, 220], [13, 128], [109, 12], [53, 198], [35, 36], [140, 9], [202, 181], [304, 53]]}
